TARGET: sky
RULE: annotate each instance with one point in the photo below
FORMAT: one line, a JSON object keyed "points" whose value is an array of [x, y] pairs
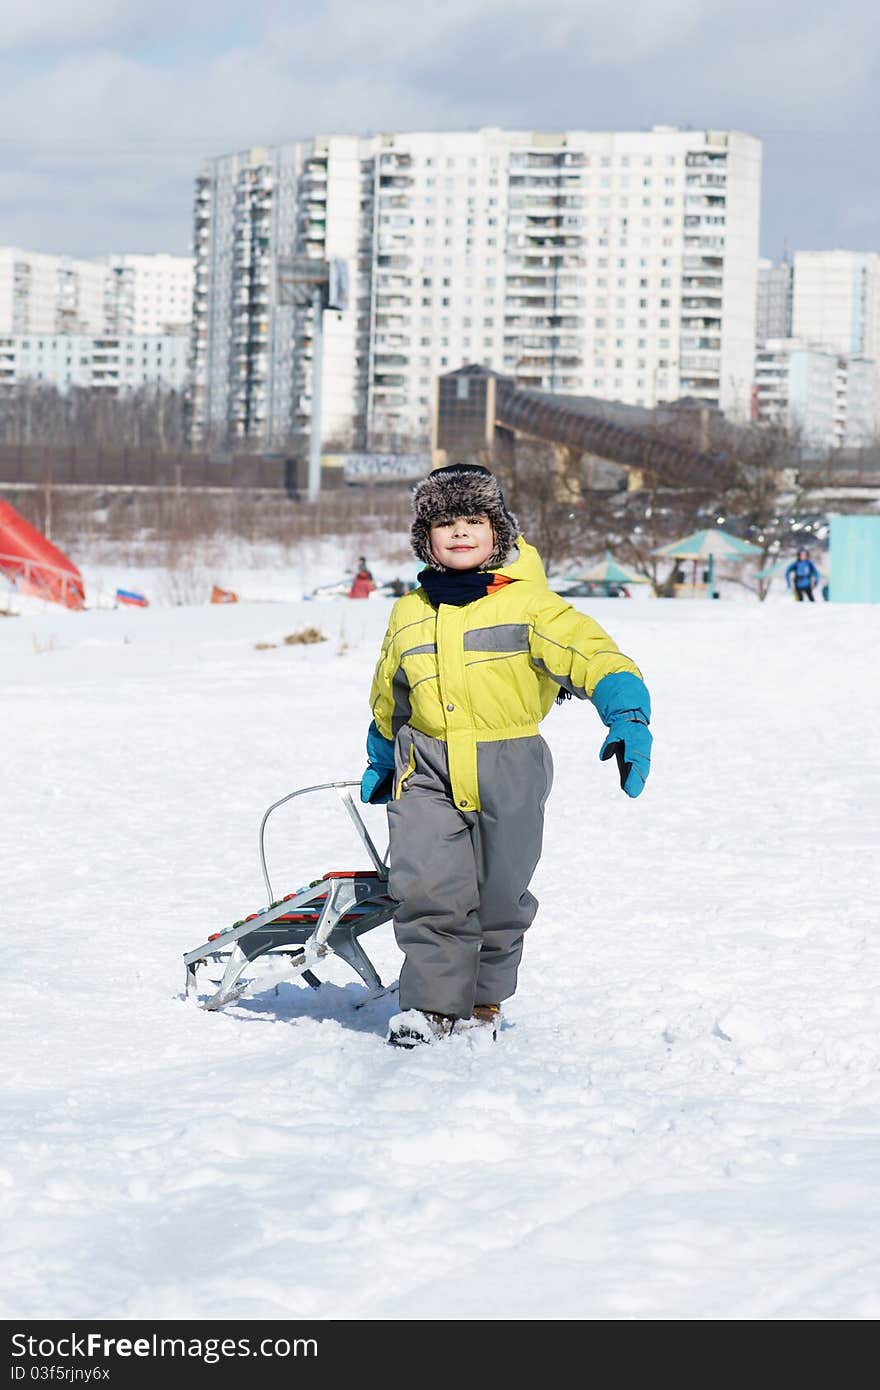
{"points": [[680, 1119], [108, 108]]}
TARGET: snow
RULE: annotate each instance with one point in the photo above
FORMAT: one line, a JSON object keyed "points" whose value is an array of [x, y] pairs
{"points": [[681, 1116]]}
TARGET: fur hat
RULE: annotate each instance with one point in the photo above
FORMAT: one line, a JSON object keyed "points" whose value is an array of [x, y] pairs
{"points": [[461, 489]]}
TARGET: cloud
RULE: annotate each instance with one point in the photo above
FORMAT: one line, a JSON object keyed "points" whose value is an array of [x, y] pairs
{"points": [[106, 110], [45, 26]]}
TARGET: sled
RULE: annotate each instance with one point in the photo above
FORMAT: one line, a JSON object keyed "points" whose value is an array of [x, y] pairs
{"points": [[300, 930]]}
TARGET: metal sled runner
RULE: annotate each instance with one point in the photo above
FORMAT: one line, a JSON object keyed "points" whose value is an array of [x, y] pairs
{"points": [[330, 915]]}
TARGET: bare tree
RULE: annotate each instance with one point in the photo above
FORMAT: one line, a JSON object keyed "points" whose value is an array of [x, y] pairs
{"points": [[553, 495], [146, 418], [767, 489]]}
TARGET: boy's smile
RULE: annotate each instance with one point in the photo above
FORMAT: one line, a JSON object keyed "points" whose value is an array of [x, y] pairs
{"points": [[464, 543]]}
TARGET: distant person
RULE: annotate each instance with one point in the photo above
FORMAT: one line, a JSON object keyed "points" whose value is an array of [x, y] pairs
{"points": [[362, 585], [803, 576]]}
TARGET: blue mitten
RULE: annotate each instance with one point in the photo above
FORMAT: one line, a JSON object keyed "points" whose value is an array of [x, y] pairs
{"points": [[377, 782], [624, 705]]}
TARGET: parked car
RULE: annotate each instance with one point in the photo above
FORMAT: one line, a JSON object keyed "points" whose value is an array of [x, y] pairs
{"points": [[589, 588]]}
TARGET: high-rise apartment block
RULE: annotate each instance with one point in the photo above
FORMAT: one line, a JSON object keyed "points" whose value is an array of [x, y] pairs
{"points": [[622, 265], [147, 361], [113, 294], [775, 291], [149, 294], [837, 300], [115, 323], [836, 306], [50, 294], [830, 399]]}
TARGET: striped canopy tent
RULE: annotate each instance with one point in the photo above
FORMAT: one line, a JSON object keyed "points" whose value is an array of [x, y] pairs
{"points": [[609, 571], [710, 545]]}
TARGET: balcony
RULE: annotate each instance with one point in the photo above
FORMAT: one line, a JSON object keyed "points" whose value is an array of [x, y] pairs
{"points": [[712, 249], [707, 367], [385, 360]]}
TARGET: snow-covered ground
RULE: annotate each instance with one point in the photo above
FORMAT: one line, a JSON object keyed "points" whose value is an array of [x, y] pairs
{"points": [[681, 1117]]}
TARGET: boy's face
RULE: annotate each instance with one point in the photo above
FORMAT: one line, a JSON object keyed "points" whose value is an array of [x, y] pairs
{"points": [[464, 543]]}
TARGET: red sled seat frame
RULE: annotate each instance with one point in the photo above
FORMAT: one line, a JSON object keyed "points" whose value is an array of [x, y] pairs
{"points": [[329, 915]]}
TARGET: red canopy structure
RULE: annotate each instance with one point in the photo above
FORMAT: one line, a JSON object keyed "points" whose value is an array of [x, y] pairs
{"points": [[34, 564]]}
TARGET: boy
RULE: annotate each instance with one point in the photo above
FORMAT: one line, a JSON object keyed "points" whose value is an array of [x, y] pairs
{"points": [[471, 662]]}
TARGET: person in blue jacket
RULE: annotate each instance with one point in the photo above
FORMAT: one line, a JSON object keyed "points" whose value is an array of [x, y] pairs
{"points": [[805, 576]]}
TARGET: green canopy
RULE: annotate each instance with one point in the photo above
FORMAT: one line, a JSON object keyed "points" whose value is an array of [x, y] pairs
{"points": [[609, 571], [710, 545], [718, 544]]}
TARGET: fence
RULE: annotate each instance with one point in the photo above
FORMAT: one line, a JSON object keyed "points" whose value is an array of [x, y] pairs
{"points": [[35, 465]]}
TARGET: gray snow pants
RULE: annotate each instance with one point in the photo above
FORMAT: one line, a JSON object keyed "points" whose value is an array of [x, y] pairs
{"points": [[461, 878]]}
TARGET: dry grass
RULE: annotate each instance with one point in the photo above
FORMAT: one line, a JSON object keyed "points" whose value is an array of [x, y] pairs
{"points": [[305, 637], [129, 525]]}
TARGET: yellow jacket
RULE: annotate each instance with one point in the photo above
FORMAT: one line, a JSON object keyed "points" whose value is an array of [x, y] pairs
{"points": [[488, 670]]}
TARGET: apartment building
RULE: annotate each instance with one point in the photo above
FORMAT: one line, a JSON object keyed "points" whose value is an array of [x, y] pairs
{"points": [[622, 265], [836, 304], [112, 294], [50, 294], [837, 300], [148, 293], [95, 361], [775, 296], [829, 398]]}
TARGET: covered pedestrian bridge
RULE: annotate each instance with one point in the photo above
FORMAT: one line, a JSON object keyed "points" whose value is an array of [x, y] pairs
{"points": [[479, 416]]}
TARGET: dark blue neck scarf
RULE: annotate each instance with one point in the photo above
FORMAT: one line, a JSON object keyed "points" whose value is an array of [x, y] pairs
{"points": [[456, 587]]}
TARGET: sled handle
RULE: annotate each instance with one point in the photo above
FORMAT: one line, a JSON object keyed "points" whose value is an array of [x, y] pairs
{"points": [[345, 797]]}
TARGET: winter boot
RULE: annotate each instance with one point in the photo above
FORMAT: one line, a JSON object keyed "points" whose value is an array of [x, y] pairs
{"points": [[484, 1017], [413, 1027]]}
